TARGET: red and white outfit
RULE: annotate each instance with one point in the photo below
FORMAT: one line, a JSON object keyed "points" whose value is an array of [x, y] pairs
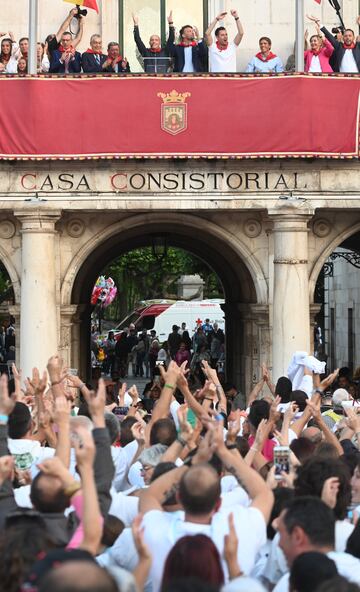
{"points": [[222, 60]]}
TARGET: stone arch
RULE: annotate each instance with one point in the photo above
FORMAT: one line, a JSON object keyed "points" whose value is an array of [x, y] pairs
{"points": [[7, 261], [326, 252], [241, 274], [183, 222]]}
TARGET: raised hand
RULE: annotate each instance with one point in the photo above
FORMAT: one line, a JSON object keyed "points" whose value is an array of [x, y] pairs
{"points": [[135, 19], [138, 431], [315, 407], [6, 467], [234, 13], [62, 410], [85, 449], [55, 364], [186, 430], [138, 536], [170, 18], [231, 544], [291, 411], [7, 403], [133, 392], [312, 18], [330, 491], [221, 16], [96, 401], [38, 384]]}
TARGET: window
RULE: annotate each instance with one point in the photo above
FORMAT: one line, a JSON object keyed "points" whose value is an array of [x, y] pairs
{"points": [[153, 19]]}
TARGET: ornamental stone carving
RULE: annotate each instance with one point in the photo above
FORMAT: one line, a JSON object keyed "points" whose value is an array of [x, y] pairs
{"points": [[321, 227], [252, 228], [7, 229], [75, 227]]}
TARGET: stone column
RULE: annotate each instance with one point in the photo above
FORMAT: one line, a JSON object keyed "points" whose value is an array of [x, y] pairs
{"points": [[291, 318], [69, 347], [38, 316]]}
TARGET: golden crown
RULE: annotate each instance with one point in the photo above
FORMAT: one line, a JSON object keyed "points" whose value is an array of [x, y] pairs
{"points": [[174, 97]]}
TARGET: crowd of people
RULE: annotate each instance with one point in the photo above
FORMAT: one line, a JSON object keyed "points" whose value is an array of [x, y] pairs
{"points": [[140, 353], [200, 492], [325, 51]]}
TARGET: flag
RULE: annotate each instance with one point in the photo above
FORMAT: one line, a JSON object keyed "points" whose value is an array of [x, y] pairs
{"points": [[86, 3], [318, 1]]}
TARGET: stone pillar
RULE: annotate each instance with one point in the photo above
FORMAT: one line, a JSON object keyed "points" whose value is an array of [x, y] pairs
{"points": [[38, 316], [70, 320], [291, 318]]}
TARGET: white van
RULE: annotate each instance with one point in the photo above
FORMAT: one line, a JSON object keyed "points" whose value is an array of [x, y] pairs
{"points": [[161, 316]]}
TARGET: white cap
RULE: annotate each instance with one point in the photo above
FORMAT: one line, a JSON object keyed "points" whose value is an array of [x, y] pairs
{"points": [[339, 396]]}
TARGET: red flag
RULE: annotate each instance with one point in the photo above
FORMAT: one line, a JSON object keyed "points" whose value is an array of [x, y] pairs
{"points": [[318, 1], [88, 3]]}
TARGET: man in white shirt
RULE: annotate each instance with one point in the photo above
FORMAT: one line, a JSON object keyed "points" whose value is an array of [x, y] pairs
{"points": [[222, 53], [199, 493], [346, 54], [308, 524]]}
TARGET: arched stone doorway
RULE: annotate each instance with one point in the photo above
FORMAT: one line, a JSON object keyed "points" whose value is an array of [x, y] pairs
{"points": [[245, 287], [335, 294]]}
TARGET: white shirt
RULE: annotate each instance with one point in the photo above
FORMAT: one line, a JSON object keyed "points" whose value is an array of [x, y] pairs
{"points": [[188, 66], [162, 530], [222, 60], [28, 452], [348, 63], [315, 65], [348, 566], [124, 507]]}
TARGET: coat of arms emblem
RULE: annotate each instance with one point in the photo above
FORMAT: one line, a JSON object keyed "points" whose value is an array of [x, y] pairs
{"points": [[174, 112]]}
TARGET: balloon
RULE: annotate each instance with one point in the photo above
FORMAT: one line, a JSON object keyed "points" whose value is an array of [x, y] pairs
{"points": [[103, 292]]}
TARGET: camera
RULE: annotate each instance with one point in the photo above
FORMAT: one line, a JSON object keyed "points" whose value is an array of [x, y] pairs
{"points": [[80, 12]]}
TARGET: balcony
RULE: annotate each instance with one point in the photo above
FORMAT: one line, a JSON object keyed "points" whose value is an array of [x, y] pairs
{"points": [[230, 116]]}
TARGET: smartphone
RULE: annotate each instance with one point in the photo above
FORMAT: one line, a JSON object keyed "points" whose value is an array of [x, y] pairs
{"points": [[73, 371], [120, 410], [281, 460], [160, 363]]}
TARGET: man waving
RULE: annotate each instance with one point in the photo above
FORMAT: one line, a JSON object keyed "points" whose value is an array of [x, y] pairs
{"points": [[222, 53]]}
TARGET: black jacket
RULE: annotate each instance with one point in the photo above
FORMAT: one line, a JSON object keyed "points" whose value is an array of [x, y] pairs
{"points": [[90, 64], [339, 51], [199, 57], [153, 62]]}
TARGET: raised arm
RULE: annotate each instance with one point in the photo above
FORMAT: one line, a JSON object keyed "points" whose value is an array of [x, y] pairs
{"points": [[80, 32], [139, 42], [171, 38], [207, 35], [259, 492], [65, 25], [240, 30], [92, 519], [103, 466]]}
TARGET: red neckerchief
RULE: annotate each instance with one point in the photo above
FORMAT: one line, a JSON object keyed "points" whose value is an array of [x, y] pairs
{"points": [[116, 60], [191, 44], [155, 49], [221, 47], [269, 57], [3, 58], [63, 50], [94, 52], [352, 46], [315, 53]]}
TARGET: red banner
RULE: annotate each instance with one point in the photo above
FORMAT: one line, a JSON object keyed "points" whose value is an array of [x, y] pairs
{"points": [[177, 116]]}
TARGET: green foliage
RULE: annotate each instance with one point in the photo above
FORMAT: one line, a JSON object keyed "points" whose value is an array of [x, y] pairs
{"points": [[140, 276], [6, 290]]}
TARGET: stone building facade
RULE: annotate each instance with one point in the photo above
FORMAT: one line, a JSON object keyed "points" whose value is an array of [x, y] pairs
{"points": [[265, 227]]}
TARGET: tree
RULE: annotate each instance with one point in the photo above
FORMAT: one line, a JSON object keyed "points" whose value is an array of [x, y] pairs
{"points": [[141, 276]]}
